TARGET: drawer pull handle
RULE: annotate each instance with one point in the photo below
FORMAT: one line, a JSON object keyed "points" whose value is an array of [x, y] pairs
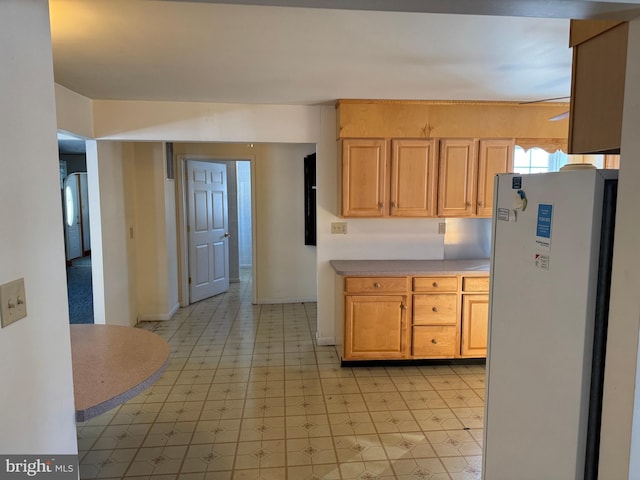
{"points": [[434, 309], [435, 284], [434, 341], [376, 285]]}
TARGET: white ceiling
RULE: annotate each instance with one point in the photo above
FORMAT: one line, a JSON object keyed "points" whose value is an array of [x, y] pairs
{"points": [[204, 50], [183, 51]]}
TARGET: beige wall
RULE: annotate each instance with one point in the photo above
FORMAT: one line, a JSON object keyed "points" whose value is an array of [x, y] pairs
{"points": [[285, 269], [36, 389], [74, 112], [154, 233], [134, 253], [112, 212]]}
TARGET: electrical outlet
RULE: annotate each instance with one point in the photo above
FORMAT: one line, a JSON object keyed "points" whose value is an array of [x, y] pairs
{"points": [[339, 227], [442, 228], [13, 302]]}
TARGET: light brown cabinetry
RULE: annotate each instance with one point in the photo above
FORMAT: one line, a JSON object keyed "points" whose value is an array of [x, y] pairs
{"points": [[612, 161], [597, 85], [364, 177], [376, 184], [435, 317], [494, 156], [375, 318], [475, 323], [419, 317], [475, 316], [467, 168]]}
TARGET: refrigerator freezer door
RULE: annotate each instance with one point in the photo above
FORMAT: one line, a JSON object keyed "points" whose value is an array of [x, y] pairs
{"points": [[543, 289]]}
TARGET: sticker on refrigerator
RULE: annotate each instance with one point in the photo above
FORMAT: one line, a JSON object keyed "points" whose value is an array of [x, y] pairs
{"points": [[503, 214], [516, 183], [543, 226], [542, 261]]}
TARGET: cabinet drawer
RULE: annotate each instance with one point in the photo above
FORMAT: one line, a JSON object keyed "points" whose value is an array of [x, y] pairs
{"points": [[435, 309], [435, 284], [434, 341], [475, 284], [375, 284]]}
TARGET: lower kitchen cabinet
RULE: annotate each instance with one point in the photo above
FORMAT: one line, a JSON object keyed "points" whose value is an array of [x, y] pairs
{"points": [[414, 317], [375, 327], [475, 324]]}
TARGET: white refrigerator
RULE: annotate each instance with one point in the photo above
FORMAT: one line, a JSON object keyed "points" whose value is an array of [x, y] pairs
{"points": [[552, 243]]}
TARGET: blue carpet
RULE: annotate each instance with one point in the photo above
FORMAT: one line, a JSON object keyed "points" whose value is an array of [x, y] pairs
{"points": [[80, 291]]}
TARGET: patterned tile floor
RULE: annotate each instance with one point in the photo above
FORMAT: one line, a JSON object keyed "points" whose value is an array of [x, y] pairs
{"points": [[248, 395]]}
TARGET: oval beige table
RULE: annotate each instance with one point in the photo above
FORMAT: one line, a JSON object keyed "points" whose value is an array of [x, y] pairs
{"points": [[112, 364]]}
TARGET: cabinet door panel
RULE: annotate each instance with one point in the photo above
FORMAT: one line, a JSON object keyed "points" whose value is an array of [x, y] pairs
{"points": [[364, 178], [475, 324], [376, 327], [496, 156], [413, 178], [457, 177]]}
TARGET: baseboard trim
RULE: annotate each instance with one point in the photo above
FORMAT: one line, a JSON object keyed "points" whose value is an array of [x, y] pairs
{"points": [[325, 341], [271, 301], [148, 317]]}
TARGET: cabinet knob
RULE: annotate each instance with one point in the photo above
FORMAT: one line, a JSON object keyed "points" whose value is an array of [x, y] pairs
{"points": [[468, 204], [403, 307], [380, 205], [435, 284], [434, 341], [393, 204], [376, 285], [479, 204], [434, 309]]}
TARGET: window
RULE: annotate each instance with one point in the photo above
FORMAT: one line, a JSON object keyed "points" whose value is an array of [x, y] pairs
{"points": [[537, 160]]}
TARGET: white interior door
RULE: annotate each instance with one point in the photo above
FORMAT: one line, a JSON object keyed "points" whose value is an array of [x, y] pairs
{"points": [[208, 229], [73, 230]]}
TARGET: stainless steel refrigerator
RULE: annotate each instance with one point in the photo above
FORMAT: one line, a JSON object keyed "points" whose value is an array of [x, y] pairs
{"points": [[552, 243]]}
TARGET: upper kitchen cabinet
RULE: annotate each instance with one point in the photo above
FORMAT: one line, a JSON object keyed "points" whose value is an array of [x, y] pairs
{"points": [[364, 178], [395, 163], [467, 168], [373, 186], [413, 178], [495, 156], [458, 165], [597, 85]]}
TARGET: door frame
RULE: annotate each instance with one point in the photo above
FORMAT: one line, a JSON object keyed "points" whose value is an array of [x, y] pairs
{"points": [[182, 219]]}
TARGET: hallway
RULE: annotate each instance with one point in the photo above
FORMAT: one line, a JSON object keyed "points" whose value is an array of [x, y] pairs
{"points": [[80, 291], [248, 395]]}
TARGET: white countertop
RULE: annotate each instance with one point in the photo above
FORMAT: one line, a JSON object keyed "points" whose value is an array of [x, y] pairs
{"points": [[410, 267]]}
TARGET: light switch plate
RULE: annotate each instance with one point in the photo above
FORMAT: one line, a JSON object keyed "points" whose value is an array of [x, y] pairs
{"points": [[13, 302]]}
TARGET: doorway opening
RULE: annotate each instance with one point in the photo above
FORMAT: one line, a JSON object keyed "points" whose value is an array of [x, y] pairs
{"points": [[218, 239], [74, 195]]}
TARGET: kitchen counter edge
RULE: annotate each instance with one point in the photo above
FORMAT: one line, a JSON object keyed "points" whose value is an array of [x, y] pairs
{"points": [[365, 268]]}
